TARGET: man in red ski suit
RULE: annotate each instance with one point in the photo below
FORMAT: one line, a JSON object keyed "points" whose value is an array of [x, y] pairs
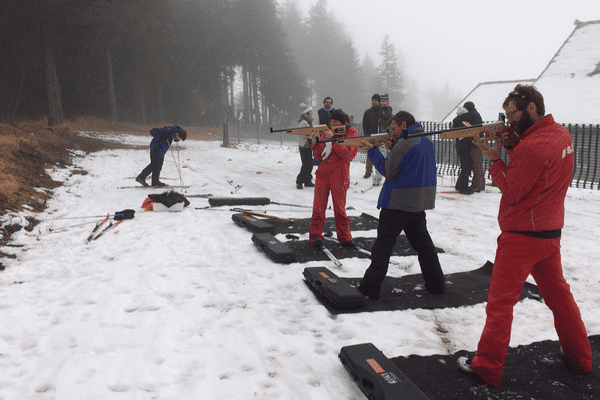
{"points": [[333, 175], [534, 185]]}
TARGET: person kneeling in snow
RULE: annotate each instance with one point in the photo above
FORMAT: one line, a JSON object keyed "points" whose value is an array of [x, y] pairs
{"points": [[333, 175], [160, 144]]}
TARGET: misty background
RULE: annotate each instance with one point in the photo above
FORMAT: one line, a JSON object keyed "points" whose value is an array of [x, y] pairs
{"points": [[190, 62]]}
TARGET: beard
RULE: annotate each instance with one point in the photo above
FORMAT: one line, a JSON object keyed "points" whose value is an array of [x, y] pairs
{"points": [[523, 124]]}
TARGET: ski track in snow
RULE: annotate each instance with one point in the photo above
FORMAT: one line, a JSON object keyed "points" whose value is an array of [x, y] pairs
{"points": [[184, 306]]}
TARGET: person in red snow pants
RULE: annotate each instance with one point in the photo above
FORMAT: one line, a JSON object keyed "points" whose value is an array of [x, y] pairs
{"points": [[534, 185], [333, 176]]}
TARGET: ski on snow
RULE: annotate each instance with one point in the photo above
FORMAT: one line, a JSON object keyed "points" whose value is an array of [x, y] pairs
{"points": [[359, 249], [154, 187], [98, 225]]}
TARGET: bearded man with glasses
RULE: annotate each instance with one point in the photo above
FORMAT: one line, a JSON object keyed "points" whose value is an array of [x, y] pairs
{"points": [[534, 185]]}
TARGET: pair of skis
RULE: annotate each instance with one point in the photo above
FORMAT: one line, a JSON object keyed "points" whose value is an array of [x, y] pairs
{"points": [[119, 217]]}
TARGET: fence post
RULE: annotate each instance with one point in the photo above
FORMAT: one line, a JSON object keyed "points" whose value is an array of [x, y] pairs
{"points": [[225, 134]]}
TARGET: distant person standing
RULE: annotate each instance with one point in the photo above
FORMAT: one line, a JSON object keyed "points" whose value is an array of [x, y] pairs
{"points": [[534, 185], [305, 176], [478, 183], [160, 144], [463, 150], [383, 126], [325, 112], [466, 115], [370, 126]]}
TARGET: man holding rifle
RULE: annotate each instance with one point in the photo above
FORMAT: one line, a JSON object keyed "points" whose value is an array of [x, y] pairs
{"points": [[534, 185], [408, 190]]}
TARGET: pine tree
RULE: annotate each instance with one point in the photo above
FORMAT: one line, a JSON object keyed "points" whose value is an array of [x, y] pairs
{"points": [[389, 78]]}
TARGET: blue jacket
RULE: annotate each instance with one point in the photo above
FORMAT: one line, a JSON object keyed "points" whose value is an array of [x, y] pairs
{"points": [[162, 139], [410, 175]]}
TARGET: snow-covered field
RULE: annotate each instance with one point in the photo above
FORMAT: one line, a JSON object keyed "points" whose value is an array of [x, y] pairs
{"points": [[184, 306]]}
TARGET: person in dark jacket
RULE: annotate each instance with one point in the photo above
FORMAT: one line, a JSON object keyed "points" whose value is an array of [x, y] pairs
{"points": [[467, 115], [383, 126], [463, 150], [474, 118], [304, 144], [409, 189], [325, 112], [160, 144], [534, 185], [370, 125]]}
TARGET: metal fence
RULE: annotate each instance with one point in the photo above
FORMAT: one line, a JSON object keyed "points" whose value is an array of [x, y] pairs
{"points": [[585, 143]]}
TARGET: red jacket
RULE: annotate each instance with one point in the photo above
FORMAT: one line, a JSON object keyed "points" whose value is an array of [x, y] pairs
{"points": [[340, 156], [534, 183]]}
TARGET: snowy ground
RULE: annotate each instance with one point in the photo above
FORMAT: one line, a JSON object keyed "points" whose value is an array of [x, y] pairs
{"points": [[184, 306]]}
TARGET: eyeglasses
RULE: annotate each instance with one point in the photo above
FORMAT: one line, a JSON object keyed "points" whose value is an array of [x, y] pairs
{"points": [[510, 115]]}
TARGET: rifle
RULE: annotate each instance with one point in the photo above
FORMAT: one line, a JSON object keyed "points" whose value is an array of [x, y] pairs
{"points": [[490, 131], [376, 140], [308, 131]]}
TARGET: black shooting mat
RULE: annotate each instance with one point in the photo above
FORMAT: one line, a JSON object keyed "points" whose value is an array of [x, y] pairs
{"points": [[408, 292], [534, 371], [305, 253], [364, 222]]}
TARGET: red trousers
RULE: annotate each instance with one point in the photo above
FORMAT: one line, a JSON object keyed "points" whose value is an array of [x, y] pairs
{"points": [[336, 182], [518, 256]]}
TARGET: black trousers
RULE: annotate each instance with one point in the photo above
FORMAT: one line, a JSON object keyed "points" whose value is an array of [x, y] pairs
{"points": [[463, 149], [414, 225], [307, 165], [154, 168]]}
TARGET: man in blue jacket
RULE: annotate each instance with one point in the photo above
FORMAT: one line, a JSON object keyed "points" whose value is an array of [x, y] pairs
{"points": [[160, 144], [408, 190]]}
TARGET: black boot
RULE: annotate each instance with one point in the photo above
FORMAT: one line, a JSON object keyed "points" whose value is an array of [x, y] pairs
{"points": [[141, 181]]}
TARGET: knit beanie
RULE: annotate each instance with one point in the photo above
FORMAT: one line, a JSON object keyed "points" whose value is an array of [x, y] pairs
{"points": [[469, 106], [304, 108]]}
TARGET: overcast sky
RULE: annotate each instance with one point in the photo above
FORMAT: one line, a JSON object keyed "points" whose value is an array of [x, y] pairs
{"points": [[461, 42]]}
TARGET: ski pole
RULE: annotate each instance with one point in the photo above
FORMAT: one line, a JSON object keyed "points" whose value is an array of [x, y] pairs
{"points": [[288, 204], [125, 214], [178, 165]]}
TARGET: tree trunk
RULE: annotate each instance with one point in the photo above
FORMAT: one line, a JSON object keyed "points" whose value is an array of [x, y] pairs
{"points": [[140, 108], [232, 95], [255, 97], [246, 92], [53, 97], [160, 103], [112, 98]]}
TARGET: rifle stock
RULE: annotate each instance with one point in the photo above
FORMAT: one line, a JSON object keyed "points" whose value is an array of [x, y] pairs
{"points": [[376, 140], [308, 131], [489, 131]]}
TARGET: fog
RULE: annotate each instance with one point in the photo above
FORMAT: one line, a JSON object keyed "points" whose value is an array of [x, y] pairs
{"points": [[205, 62]]}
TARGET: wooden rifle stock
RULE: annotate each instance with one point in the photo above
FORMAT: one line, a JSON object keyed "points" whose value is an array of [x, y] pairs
{"points": [[308, 131], [376, 140], [489, 132]]}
